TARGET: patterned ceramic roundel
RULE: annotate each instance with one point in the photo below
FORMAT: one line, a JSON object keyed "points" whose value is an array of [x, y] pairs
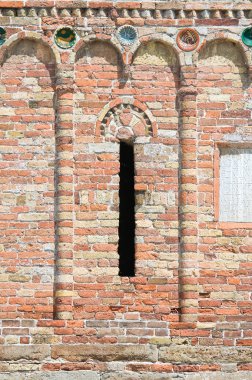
{"points": [[2, 36], [187, 39], [127, 35], [65, 38]]}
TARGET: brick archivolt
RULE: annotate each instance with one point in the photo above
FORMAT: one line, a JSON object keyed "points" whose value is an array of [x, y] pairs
{"points": [[125, 119]]}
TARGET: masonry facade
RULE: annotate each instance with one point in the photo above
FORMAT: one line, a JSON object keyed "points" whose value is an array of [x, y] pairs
{"points": [[64, 113]]}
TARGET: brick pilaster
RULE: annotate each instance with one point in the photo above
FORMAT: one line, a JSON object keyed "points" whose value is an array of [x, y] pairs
{"points": [[64, 196], [188, 260]]}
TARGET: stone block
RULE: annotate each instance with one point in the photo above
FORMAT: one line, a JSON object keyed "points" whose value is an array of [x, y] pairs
{"points": [[105, 353], [206, 355], [24, 352]]}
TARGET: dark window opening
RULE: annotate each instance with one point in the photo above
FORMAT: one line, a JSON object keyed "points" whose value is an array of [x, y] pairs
{"points": [[126, 248]]}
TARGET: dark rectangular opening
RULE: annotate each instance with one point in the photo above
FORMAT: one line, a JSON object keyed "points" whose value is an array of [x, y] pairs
{"points": [[126, 248]]}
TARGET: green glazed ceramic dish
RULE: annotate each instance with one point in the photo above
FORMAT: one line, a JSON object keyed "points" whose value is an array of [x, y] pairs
{"points": [[2, 36], [65, 38], [247, 36]]}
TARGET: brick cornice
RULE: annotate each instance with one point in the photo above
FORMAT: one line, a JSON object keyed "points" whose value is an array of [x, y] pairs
{"points": [[140, 4], [135, 9]]}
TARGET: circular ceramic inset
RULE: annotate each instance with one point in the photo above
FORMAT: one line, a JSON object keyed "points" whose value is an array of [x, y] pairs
{"points": [[247, 36], [65, 38], [2, 36], [127, 35], [187, 39]]}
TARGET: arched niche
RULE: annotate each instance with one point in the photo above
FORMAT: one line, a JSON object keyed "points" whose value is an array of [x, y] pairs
{"points": [[98, 52], [225, 53], [32, 48], [157, 63], [155, 79], [100, 63], [155, 53], [222, 80], [223, 117], [98, 69], [27, 77]]}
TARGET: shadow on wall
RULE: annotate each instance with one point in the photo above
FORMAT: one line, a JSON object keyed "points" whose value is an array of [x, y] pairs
{"points": [[98, 53], [153, 56], [226, 53], [32, 48]]}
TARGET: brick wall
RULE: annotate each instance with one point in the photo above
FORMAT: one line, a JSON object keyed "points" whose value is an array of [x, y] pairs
{"points": [[63, 113], [27, 182]]}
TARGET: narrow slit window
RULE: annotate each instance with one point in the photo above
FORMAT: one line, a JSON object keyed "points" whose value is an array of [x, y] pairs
{"points": [[126, 247]]}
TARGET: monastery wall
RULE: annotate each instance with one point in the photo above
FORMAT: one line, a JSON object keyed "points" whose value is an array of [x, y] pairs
{"points": [[169, 82]]}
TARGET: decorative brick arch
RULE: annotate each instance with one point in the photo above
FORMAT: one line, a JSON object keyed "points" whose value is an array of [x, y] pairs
{"points": [[92, 38], [125, 119], [30, 36], [218, 37], [162, 38]]}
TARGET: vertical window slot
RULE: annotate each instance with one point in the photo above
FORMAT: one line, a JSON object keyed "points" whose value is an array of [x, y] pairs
{"points": [[126, 248]]}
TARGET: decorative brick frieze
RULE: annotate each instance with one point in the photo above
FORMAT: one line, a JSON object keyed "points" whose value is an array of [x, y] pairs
{"points": [[158, 12]]}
